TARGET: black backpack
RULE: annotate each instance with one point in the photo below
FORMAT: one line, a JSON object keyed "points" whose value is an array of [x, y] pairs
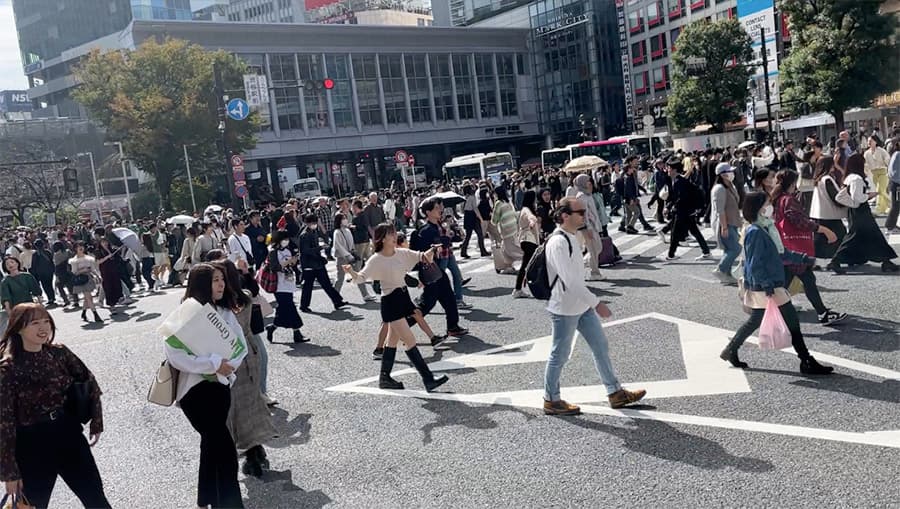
{"points": [[536, 274]]}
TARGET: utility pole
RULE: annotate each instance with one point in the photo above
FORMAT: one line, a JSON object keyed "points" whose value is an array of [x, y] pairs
{"points": [[765, 63], [187, 165], [221, 104]]}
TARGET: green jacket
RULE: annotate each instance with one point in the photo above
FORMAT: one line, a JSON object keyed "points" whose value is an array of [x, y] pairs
{"points": [[18, 289]]}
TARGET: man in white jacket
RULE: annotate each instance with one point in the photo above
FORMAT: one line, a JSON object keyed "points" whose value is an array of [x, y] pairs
{"points": [[573, 307]]}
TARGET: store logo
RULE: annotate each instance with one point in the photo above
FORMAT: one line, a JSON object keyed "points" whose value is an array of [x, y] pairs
{"points": [[565, 20]]}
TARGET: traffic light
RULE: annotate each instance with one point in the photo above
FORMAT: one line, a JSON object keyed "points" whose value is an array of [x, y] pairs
{"points": [[70, 180], [328, 83]]}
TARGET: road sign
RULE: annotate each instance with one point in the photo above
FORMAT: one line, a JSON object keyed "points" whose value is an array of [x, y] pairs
{"points": [[648, 120], [237, 160], [238, 109], [240, 191], [411, 159], [400, 156], [239, 175]]}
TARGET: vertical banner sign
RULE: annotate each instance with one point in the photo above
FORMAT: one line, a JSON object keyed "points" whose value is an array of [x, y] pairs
{"points": [[626, 66], [251, 89], [752, 15]]}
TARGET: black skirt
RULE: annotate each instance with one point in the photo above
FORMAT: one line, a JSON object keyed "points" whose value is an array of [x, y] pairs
{"points": [[286, 315], [823, 248], [864, 241], [396, 305]]}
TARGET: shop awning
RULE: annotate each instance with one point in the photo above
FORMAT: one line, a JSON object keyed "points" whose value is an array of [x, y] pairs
{"points": [[805, 121]]}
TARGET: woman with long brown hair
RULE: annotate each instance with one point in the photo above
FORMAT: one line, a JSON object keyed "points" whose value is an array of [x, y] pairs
{"points": [[389, 265], [41, 436], [825, 209]]}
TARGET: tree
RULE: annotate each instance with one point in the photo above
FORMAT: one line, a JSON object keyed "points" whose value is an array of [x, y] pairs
{"points": [[843, 55], [30, 178], [159, 97], [181, 195], [715, 91]]}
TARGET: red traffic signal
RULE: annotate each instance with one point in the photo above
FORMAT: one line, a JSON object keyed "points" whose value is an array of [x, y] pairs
{"points": [[329, 83]]}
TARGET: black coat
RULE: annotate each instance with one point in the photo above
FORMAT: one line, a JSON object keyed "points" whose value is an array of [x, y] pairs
{"points": [[685, 198], [310, 252]]}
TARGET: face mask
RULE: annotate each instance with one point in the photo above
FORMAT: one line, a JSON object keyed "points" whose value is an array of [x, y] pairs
{"points": [[345, 223], [768, 210], [728, 176], [284, 243]]}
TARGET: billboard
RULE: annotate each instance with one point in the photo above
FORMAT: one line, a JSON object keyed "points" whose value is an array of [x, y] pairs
{"points": [[631, 122], [14, 101], [757, 17]]}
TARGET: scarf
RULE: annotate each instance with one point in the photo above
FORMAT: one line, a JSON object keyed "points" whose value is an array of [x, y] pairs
{"points": [[768, 225]]}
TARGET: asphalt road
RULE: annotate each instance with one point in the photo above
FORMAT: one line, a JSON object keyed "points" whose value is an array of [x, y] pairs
{"points": [[708, 436]]}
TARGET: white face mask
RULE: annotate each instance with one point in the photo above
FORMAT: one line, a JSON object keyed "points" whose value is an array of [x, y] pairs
{"points": [[768, 210], [728, 176], [284, 243]]}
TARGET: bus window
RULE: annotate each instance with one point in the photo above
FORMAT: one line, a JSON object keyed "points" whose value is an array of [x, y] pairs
{"points": [[609, 152], [497, 164], [556, 158], [465, 171]]}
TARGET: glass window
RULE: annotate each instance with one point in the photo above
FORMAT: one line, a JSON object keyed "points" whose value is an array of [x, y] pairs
{"points": [[342, 93], [287, 100], [417, 81], [283, 71], [507, 74], [464, 88], [673, 35], [658, 47], [487, 87], [443, 88], [696, 5], [394, 95], [654, 13], [638, 53], [635, 21], [366, 78], [661, 78], [676, 8], [312, 75]]}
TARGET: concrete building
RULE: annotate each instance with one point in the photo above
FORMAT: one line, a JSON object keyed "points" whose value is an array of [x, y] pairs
{"points": [[434, 93], [266, 11], [214, 12]]}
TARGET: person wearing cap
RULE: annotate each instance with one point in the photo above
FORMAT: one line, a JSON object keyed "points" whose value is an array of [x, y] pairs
{"points": [[726, 219]]}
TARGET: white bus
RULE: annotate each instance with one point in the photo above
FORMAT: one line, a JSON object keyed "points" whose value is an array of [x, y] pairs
{"points": [[641, 145], [479, 166], [555, 157], [306, 188]]}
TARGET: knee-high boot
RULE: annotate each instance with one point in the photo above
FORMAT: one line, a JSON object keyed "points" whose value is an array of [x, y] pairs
{"points": [[428, 378], [387, 364]]}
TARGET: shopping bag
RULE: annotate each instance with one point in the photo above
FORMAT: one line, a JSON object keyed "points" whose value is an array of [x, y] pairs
{"points": [[200, 330], [15, 501], [264, 305], [773, 332]]}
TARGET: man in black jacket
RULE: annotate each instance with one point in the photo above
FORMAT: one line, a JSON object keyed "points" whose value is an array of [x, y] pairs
{"points": [[661, 180], [42, 269], [313, 263], [685, 201]]}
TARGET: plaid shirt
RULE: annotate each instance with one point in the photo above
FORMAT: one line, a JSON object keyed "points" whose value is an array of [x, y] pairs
{"points": [[326, 219]]}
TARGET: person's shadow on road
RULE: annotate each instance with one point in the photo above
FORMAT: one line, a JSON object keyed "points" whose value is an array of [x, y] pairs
{"points": [[885, 390], [455, 413], [267, 492], [659, 439]]}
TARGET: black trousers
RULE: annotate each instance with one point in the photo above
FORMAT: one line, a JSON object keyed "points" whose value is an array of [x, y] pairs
{"points": [[471, 224], [441, 291], [894, 190], [682, 226], [310, 276], [147, 270], [790, 318], [528, 249], [62, 286], [206, 406], [810, 288], [58, 448], [47, 284]]}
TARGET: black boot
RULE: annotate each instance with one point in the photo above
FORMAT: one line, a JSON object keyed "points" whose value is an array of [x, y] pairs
{"points": [[730, 354], [809, 366], [252, 464], [270, 331], [889, 266], [97, 317], [299, 338], [84, 315], [387, 363], [431, 383]]}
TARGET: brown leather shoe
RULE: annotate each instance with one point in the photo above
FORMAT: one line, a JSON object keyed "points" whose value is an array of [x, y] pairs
{"points": [[622, 397], [560, 408]]}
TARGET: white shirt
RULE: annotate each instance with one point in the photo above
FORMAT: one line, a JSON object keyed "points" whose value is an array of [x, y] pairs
{"points": [[286, 282], [238, 247], [390, 211], [575, 299]]}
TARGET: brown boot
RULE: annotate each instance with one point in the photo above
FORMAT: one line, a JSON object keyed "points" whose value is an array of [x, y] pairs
{"points": [[622, 397], [560, 408]]}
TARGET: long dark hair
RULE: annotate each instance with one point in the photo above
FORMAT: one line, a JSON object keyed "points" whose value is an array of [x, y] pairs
{"points": [[199, 286], [233, 283], [823, 167], [753, 203], [20, 316], [784, 179], [528, 199], [382, 231]]}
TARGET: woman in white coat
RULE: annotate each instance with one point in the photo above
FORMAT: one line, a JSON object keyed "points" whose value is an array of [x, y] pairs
{"points": [[345, 254]]}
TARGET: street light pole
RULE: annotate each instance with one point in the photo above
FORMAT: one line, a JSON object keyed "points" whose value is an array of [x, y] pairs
{"points": [[124, 178], [187, 165], [96, 185], [765, 62]]}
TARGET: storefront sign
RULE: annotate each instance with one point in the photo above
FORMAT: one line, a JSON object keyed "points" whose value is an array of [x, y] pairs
{"points": [[626, 66], [564, 20], [753, 16]]}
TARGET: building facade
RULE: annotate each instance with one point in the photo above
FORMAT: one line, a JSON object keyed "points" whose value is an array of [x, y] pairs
{"points": [[265, 11], [434, 93], [161, 9]]}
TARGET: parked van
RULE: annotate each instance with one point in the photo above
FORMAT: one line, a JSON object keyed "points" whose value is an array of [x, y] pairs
{"points": [[306, 188]]}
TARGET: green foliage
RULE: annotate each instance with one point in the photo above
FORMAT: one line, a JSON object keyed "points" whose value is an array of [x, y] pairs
{"points": [[68, 214], [181, 196], [844, 55], [145, 203], [717, 93], [159, 97]]}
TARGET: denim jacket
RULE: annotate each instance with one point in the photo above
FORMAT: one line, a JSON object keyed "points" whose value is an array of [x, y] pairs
{"points": [[763, 266]]}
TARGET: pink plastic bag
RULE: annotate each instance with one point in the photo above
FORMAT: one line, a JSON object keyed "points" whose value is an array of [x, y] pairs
{"points": [[773, 332]]}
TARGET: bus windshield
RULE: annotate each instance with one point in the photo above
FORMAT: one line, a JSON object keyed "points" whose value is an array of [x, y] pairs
{"points": [[497, 164], [610, 152], [555, 158], [464, 171], [641, 146]]}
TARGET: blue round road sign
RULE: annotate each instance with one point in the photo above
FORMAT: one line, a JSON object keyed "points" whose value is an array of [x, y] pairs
{"points": [[240, 191], [237, 109]]}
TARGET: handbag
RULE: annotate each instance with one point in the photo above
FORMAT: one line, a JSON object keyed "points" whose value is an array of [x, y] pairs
{"points": [[266, 277], [773, 331], [664, 193], [15, 501], [80, 279], [78, 402], [257, 322], [164, 388], [430, 273]]}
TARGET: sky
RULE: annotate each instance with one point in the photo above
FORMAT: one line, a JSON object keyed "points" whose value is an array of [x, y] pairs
{"points": [[11, 75]]}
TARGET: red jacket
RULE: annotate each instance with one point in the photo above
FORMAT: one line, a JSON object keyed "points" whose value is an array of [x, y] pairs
{"points": [[795, 227]]}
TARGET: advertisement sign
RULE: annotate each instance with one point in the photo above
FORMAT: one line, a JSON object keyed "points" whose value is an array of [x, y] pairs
{"points": [[256, 88], [758, 16], [14, 101], [626, 66]]}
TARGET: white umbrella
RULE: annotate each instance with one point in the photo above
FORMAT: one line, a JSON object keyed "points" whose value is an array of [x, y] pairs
{"points": [[449, 198], [182, 219], [212, 209], [747, 144], [128, 238], [584, 163]]}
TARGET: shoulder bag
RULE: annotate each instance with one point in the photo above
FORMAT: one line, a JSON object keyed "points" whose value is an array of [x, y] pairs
{"points": [[164, 388]]}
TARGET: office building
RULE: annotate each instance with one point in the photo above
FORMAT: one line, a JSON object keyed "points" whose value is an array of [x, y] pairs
{"points": [[370, 12], [265, 11], [216, 11]]}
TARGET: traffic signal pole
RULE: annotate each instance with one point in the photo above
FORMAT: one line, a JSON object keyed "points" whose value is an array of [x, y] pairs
{"points": [[765, 62]]}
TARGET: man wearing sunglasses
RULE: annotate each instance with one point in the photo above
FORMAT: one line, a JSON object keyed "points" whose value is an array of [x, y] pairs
{"points": [[574, 308]]}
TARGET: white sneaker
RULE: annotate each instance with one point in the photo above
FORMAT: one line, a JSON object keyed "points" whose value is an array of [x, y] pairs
{"points": [[509, 271], [671, 258], [595, 277], [662, 237], [463, 305], [704, 256], [518, 294]]}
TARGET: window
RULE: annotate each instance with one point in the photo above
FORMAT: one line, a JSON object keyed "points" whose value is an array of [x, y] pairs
{"points": [[520, 65], [673, 35], [676, 9], [661, 78], [464, 88], [314, 98], [658, 46], [655, 14], [507, 75], [443, 87], [287, 95], [696, 5], [417, 80], [342, 93], [640, 83], [487, 86], [392, 82], [635, 21], [366, 78], [638, 53]]}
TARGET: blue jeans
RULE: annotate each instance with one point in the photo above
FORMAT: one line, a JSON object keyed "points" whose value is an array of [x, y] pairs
{"points": [[732, 249], [564, 327], [450, 263]]}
